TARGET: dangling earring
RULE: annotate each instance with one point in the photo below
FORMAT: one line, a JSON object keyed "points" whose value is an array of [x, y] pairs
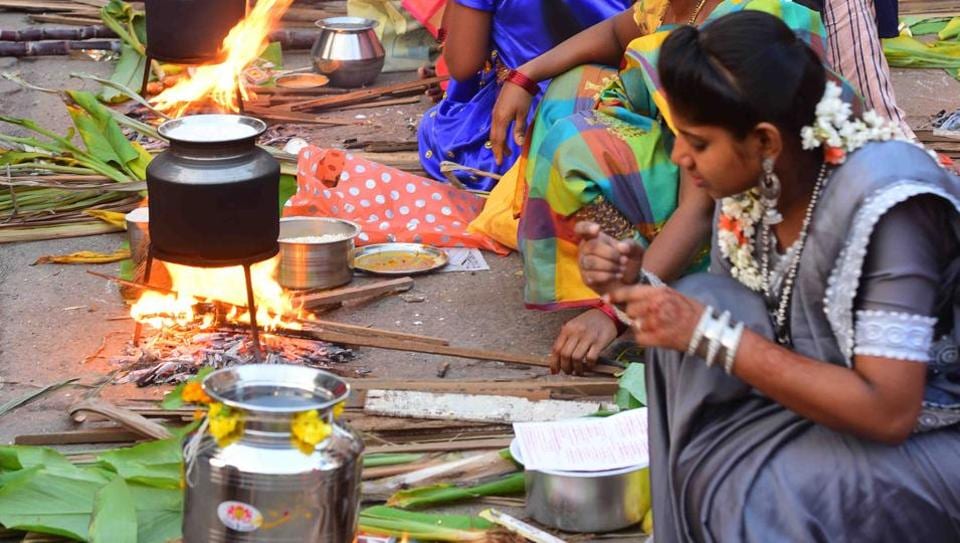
{"points": [[770, 194]]}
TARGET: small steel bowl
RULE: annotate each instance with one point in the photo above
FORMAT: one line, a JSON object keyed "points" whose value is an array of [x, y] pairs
{"points": [[316, 264], [587, 502], [348, 51]]}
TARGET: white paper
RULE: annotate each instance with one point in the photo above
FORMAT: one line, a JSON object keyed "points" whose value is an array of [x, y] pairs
{"points": [[462, 259], [585, 444]]}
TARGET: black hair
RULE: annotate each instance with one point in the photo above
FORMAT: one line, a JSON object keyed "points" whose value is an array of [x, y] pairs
{"points": [[743, 69], [561, 22]]}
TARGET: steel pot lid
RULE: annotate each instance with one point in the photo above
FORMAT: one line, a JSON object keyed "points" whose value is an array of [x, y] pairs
{"points": [[276, 388], [347, 24], [212, 128]]}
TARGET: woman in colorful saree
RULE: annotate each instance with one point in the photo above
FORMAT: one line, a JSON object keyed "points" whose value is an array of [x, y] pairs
{"points": [[808, 388], [611, 163]]}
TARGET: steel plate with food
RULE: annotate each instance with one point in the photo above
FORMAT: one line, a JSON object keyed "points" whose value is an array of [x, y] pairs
{"points": [[398, 258]]}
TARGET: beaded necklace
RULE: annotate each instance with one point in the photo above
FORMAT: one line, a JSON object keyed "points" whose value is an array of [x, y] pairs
{"points": [[767, 245]]}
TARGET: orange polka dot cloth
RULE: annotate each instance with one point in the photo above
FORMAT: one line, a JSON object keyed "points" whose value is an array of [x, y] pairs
{"points": [[388, 204]]}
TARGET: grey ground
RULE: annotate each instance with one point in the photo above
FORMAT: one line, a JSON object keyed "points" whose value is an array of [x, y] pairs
{"points": [[52, 317]]}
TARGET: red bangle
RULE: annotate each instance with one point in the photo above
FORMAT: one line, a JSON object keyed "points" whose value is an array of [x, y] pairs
{"points": [[522, 81], [608, 311]]}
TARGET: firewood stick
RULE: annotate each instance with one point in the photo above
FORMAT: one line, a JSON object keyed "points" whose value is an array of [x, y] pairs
{"points": [[126, 418], [448, 350], [335, 296], [365, 94], [281, 115], [74, 437], [341, 328]]}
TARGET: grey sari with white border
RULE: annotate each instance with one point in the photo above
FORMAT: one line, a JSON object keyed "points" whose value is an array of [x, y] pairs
{"points": [[728, 464]]}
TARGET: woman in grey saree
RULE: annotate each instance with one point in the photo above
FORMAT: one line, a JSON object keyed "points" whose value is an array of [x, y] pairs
{"points": [[807, 389]]}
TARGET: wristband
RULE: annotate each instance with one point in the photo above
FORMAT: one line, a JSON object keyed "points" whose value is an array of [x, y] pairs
{"points": [[611, 312], [522, 81]]}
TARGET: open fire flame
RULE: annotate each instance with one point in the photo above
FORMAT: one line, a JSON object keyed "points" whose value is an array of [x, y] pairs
{"points": [[275, 308], [220, 83]]}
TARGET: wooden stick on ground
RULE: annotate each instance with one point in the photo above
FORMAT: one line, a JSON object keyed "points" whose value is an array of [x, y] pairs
{"points": [[336, 296], [124, 417], [365, 95], [448, 350]]}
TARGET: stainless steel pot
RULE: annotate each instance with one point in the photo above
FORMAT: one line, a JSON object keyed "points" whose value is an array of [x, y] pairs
{"points": [[587, 502], [307, 260], [348, 51], [261, 488]]}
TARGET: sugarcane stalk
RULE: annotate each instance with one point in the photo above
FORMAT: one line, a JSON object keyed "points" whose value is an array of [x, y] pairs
{"points": [[290, 40], [39, 33], [51, 48]]}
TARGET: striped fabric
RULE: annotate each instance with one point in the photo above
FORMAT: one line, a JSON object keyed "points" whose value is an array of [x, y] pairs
{"points": [[618, 149], [855, 51]]}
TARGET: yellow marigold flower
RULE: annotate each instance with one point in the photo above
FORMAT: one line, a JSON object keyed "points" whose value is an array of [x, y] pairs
{"points": [[225, 426], [193, 393], [338, 409], [308, 429]]}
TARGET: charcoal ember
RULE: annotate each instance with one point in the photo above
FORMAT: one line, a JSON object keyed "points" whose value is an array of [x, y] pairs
{"points": [[173, 356]]}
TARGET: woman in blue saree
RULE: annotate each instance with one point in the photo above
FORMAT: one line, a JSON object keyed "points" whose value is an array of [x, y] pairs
{"points": [[485, 38]]}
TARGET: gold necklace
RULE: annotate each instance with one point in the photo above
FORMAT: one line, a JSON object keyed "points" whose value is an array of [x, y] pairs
{"points": [[696, 13]]}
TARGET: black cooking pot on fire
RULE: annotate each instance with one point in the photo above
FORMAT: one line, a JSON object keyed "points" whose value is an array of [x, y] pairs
{"points": [[213, 193], [190, 31]]}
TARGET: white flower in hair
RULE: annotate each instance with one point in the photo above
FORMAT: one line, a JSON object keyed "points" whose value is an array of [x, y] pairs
{"points": [[839, 135]]}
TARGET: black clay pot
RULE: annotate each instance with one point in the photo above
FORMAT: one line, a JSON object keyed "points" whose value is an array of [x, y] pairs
{"points": [[213, 194], [190, 31]]}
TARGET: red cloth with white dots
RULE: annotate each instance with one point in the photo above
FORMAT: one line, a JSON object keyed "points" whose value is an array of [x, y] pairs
{"points": [[388, 204]]}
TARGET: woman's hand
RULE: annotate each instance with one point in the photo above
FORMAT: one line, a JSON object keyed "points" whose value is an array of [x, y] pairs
{"points": [[606, 263], [662, 317], [581, 341], [513, 105]]}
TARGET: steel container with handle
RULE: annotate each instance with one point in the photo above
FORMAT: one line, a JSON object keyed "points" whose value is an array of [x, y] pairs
{"points": [[262, 488]]}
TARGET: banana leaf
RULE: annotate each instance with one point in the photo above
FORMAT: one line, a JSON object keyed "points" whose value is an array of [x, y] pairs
{"points": [[128, 72], [50, 502], [445, 493], [114, 515], [154, 463], [102, 135]]}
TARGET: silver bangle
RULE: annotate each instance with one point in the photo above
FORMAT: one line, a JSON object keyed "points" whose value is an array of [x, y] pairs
{"points": [[714, 332], [731, 343], [697, 336], [650, 278]]}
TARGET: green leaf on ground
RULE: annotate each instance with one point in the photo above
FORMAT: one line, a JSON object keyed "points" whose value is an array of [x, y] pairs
{"points": [[128, 72], [389, 521], [154, 463], [49, 503], [633, 388], [288, 187], [114, 515], [444, 493], [159, 513]]}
